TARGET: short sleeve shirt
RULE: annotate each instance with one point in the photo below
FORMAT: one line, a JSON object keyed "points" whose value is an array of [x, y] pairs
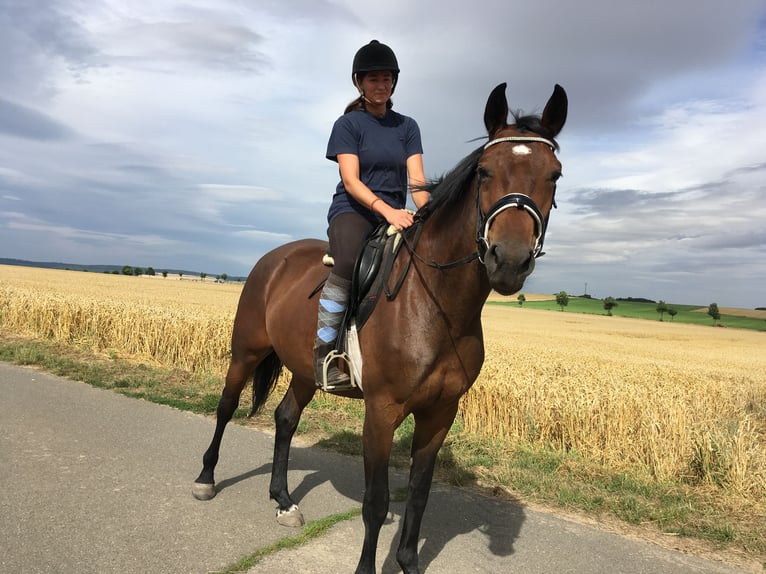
{"points": [[382, 146]]}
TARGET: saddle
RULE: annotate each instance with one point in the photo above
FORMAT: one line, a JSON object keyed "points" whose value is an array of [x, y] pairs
{"points": [[372, 272]]}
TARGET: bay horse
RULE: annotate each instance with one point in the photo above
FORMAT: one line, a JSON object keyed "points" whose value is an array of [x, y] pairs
{"points": [[482, 230]]}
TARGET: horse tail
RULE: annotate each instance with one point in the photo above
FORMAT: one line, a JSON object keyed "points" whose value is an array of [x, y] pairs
{"points": [[264, 380]]}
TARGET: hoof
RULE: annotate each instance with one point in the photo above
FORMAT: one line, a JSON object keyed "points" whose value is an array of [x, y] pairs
{"points": [[291, 517], [203, 491]]}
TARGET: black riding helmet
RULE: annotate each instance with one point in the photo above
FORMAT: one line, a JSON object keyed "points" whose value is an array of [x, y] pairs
{"points": [[373, 57]]}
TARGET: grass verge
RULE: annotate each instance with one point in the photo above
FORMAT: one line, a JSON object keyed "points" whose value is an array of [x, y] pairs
{"points": [[309, 532], [699, 518]]}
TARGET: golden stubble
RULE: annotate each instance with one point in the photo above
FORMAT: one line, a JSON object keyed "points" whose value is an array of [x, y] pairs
{"points": [[676, 401]]}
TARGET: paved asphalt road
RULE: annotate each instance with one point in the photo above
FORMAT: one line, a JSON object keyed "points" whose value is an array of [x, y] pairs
{"points": [[91, 481]]}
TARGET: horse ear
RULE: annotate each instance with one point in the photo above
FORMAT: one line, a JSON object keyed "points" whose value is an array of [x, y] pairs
{"points": [[496, 112], [555, 112]]}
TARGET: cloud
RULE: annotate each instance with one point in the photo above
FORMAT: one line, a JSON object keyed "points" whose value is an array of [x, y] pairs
{"points": [[267, 236], [200, 128], [21, 222], [170, 47], [237, 193], [23, 122]]}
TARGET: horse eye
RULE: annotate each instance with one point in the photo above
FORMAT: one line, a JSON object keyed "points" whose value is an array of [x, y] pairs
{"points": [[555, 176], [482, 172]]}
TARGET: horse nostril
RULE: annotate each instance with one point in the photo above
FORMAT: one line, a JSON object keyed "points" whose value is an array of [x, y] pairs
{"points": [[495, 251], [529, 264]]}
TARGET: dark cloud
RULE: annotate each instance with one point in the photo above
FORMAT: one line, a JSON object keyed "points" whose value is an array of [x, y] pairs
{"points": [[37, 36], [47, 24], [23, 122], [611, 201]]}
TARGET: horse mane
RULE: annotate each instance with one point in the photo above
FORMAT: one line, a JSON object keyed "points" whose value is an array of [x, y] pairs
{"points": [[449, 188]]}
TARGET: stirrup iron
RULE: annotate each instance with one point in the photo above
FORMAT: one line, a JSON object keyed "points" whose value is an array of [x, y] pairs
{"points": [[327, 363]]}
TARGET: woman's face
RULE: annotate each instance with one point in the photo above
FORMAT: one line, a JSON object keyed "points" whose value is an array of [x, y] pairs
{"points": [[377, 86]]}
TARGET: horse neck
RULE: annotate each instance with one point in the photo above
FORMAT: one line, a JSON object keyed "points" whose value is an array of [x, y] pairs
{"points": [[449, 235]]}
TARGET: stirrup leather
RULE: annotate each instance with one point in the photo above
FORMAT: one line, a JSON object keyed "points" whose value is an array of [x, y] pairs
{"points": [[327, 363]]}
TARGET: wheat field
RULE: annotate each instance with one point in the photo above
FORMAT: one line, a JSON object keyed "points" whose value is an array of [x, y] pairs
{"points": [[679, 402]]}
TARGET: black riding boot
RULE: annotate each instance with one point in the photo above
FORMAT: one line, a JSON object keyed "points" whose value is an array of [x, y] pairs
{"points": [[332, 306]]}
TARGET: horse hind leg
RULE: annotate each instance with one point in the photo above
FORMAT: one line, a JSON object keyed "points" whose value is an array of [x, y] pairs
{"points": [[286, 416], [266, 373]]}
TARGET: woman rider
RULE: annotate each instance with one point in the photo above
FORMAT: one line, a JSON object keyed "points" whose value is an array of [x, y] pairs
{"points": [[379, 153]]}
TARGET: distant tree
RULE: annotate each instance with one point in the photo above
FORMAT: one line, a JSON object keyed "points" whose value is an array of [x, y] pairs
{"points": [[127, 270], [713, 311], [223, 277], [165, 274], [150, 271], [562, 299], [138, 271], [609, 304], [202, 276], [115, 272], [672, 312], [180, 274], [521, 299], [662, 308]]}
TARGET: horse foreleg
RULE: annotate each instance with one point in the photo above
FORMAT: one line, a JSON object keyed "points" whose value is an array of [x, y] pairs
{"points": [[286, 417], [430, 432], [236, 379], [378, 435]]}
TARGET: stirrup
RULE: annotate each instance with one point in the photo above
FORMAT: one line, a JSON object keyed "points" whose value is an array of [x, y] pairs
{"points": [[327, 363]]}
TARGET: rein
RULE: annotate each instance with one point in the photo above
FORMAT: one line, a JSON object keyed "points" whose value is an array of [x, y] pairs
{"points": [[484, 222]]}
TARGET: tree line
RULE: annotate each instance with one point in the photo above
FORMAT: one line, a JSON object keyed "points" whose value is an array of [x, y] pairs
{"points": [[136, 271], [562, 300]]}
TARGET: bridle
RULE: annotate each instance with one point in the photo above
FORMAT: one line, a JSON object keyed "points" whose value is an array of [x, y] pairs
{"points": [[484, 222], [517, 200]]}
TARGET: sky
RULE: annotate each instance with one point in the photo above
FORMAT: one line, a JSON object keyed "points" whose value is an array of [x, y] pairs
{"points": [[191, 135]]}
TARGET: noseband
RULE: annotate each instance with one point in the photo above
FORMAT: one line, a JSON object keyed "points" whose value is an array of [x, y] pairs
{"points": [[517, 200]]}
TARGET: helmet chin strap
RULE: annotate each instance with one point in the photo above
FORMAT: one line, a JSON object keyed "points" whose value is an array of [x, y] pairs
{"points": [[361, 91]]}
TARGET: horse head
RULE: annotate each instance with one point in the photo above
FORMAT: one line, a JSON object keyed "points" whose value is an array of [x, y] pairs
{"points": [[516, 179]]}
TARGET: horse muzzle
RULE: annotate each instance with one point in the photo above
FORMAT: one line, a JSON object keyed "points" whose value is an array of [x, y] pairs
{"points": [[509, 262], [508, 266]]}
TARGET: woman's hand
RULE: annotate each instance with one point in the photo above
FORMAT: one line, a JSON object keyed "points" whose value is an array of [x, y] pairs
{"points": [[349, 172], [400, 218]]}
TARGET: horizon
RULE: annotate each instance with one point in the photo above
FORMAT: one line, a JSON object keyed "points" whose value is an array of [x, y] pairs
{"points": [[242, 278]]}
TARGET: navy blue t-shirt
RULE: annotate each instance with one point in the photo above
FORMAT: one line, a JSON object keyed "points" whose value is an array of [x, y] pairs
{"points": [[382, 146]]}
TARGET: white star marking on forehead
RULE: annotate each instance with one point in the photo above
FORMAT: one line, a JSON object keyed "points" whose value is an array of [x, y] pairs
{"points": [[521, 149]]}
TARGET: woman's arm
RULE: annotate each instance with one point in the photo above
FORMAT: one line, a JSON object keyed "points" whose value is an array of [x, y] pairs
{"points": [[417, 180], [349, 173]]}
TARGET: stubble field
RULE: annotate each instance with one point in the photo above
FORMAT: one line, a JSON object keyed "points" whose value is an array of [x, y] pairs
{"points": [[672, 401]]}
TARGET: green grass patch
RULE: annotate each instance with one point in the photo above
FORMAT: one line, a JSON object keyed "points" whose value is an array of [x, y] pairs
{"points": [[309, 532], [638, 310], [159, 385]]}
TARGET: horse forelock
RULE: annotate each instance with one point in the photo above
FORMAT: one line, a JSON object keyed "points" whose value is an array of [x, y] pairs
{"points": [[534, 124]]}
